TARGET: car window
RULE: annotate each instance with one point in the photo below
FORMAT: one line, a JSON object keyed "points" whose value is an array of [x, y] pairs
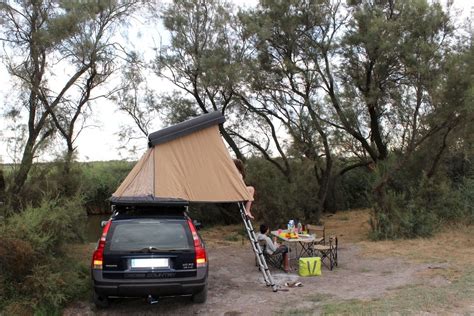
{"points": [[160, 234]]}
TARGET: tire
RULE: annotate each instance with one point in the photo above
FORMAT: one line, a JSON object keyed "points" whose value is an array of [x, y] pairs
{"points": [[201, 296], [100, 301]]}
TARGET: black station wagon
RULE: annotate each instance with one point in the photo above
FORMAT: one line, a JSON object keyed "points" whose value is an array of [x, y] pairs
{"points": [[149, 252]]}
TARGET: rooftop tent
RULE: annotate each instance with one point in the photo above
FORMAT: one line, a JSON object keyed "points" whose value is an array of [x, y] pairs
{"points": [[187, 162]]}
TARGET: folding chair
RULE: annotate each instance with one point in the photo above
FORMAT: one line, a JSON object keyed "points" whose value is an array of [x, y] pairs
{"points": [[319, 231], [273, 260], [328, 253]]}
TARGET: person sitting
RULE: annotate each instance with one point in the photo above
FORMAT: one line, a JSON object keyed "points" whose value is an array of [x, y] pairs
{"points": [[240, 166], [272, 247]]}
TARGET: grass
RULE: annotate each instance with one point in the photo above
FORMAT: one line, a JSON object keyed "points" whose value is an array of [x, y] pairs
{"points": [[231, 235], [449, 254], [407, 300], [411, 300], [344, 218], [82, 253], [452, 246], [348, 226], [319, 297], [298, 311]]}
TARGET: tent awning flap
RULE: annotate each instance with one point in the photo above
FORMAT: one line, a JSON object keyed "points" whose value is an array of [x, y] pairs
{"points": [[195, 166]]}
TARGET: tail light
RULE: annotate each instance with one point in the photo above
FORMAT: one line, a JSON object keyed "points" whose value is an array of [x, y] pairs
{"points": [[201, 256], [98, 256]]}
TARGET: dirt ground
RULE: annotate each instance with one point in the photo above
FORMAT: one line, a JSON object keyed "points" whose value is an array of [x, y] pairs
{"points": [[367, 272]]}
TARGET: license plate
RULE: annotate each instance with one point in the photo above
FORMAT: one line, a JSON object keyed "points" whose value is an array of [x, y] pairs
{"points": [[150, 263]]}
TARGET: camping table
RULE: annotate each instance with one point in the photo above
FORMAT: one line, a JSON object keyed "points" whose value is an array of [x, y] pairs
{"points": [[305, 244]]}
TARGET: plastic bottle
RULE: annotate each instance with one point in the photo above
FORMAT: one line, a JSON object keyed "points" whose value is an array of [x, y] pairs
{"points": [[291, 226], [300, 228]]}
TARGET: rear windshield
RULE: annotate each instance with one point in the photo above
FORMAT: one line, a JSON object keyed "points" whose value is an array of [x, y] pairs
{"points": [[136, 235]]}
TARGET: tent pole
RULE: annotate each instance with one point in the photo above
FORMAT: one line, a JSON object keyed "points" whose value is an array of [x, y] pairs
{"points": [[257, 249]]}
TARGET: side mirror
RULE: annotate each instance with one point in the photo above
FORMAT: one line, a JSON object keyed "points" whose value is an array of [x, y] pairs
{"points": [[197, 224], [103, 223]]}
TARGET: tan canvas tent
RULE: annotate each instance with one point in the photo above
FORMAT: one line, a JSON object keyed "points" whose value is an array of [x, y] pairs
{"points": [[187, 162]]}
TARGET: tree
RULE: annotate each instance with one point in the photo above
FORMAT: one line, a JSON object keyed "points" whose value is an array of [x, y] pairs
{"points": [[207, 60], [95, 47], [2, 186], [204, 56], [456, 103], [137, 100], [361, 80], [40, 38], [144, 106], [395, 61], [288, 83]]}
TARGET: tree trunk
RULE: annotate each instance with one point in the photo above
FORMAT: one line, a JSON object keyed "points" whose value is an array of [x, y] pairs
{"points": [[330, 202], [324, 179], [323, 182], [21, 175], [2, 186], [68, 188], [376, 132], [438, 155]]}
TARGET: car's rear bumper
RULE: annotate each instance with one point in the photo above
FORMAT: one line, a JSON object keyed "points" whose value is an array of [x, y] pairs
{"points": [[155, 287]]}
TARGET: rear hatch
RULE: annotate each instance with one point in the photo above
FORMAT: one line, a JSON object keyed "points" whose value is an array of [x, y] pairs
{"points": [[149, 248]]}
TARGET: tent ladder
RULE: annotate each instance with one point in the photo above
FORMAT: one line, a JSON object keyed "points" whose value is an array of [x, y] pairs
{"points": [[257, 249]]}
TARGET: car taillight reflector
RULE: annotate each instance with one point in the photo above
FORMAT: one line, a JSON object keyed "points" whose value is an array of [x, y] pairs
{"points": [[98, 256], [201, 256]]}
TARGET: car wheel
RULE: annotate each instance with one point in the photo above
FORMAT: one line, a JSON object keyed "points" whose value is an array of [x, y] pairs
{"points": [[100, 301], [201, 296]]}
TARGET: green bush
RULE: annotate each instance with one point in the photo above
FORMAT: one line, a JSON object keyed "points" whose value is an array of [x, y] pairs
{"points": [[50, 225], [17, 257], [467, 201], [51, 284], [215, 214], [34, 265], [385, 219], [351, 190], [99, 181], [439, 197], [95, 181], [422, 209], [276, 199], [416, 221]]}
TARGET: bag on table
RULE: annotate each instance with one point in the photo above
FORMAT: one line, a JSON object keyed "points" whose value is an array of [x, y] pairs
{"points": [[309, 266]]}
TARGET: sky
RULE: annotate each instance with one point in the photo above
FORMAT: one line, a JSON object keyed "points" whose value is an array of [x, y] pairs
{"points": [[100, 141]]}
